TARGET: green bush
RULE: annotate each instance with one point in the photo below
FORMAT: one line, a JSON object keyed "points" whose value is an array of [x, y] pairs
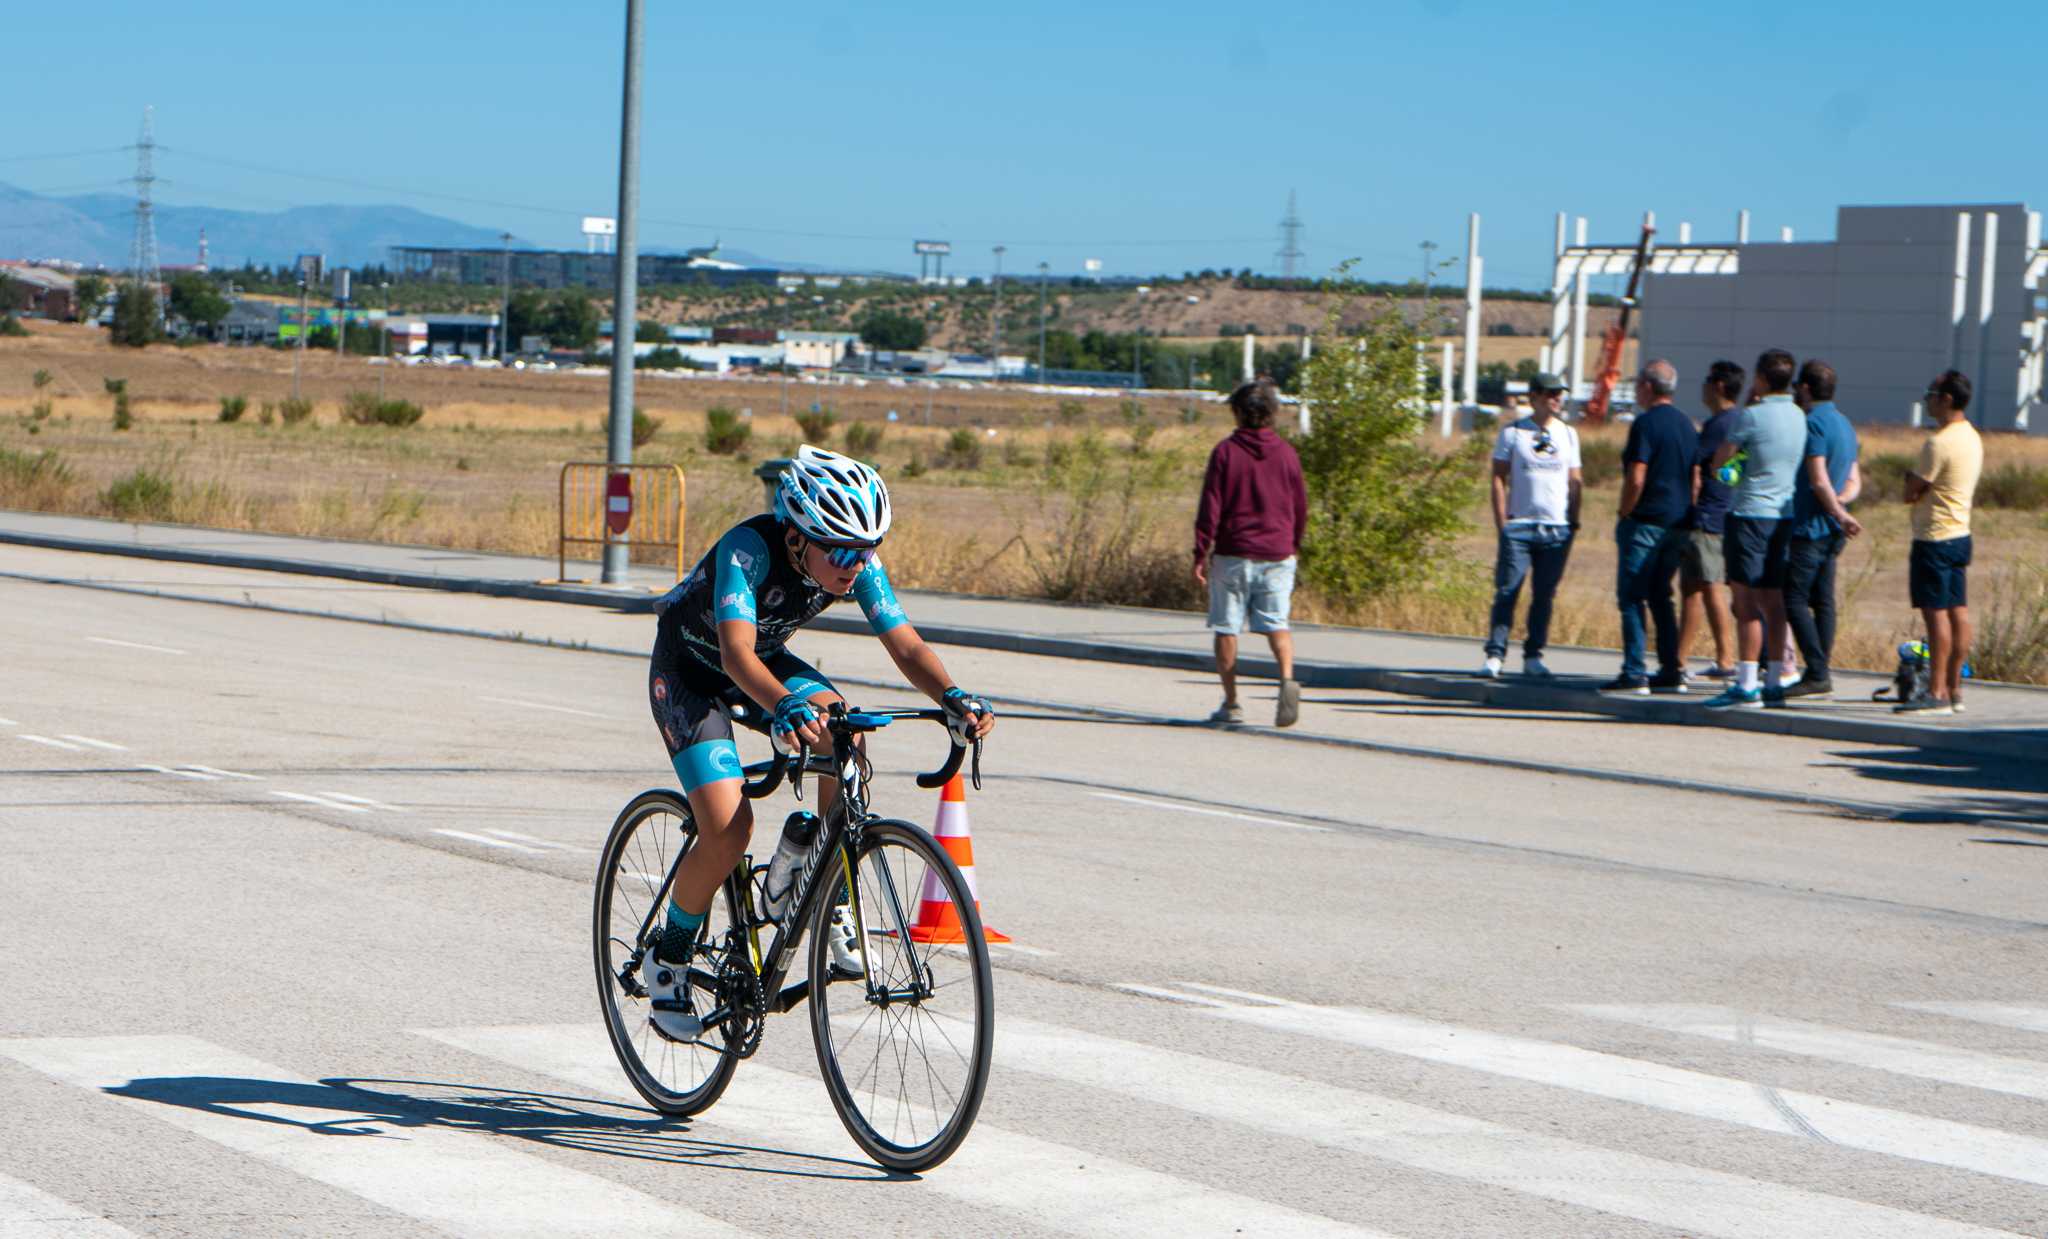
{"points": [[39, 482], [136, 322], [963, 450], [232, 408], [1190, 414], [645, 428], [1071, 412], [2012, 636], [1601, 461], [915, 467], [11, 326], [817, 425], [144, 495], [2020, 487], [1111, 541], [724, 432], [41, 379], [863, 439], [1884, 476], [267, 413], [294, 410], [361, 408]]}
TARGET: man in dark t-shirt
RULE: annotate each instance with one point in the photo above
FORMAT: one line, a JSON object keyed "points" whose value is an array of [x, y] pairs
{"points": [[1656, 514], [1702, 567]]}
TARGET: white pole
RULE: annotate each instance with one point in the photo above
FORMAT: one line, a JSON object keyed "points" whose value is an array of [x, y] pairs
{"points": [[1987, 276], [1444, 406], [1308, 350], [1742, 227], [1580, 281], [1959, 304], [1918, 413], [1249, 373], [1472, 297], [2030, 361], [1560, 307], [1685, 232], [1785, 235]]}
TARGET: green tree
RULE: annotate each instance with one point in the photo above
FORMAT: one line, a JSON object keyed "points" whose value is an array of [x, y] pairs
{"points": [[198, 300], [891, 329], [647, 331], [572, 319], [1383, 507], [135, 321], [87, 296]]}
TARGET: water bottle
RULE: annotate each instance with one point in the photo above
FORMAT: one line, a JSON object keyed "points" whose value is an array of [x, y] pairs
{"points": [[799, 832]]}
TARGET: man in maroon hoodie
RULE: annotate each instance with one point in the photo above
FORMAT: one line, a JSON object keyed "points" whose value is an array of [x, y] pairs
{"points": [[1248, 530]]}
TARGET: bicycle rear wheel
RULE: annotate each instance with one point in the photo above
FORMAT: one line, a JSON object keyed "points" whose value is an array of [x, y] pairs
{"points": [[906, 1058], [679, 1078]]}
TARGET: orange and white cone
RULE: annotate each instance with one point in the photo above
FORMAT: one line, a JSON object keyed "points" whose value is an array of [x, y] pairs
{"points": [[937, 918]]}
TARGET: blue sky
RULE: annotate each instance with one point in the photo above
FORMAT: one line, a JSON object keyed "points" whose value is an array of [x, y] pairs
{"points": [[1157, 138]]}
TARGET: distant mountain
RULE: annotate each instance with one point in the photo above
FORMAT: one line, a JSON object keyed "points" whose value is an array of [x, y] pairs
{"points": [[100, 229]]}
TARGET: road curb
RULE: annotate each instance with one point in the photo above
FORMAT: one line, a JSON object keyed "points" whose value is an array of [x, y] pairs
{"points": [[1568, 696]]}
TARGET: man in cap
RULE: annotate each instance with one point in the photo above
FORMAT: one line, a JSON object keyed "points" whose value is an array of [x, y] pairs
{"points": [[1536, 483]]}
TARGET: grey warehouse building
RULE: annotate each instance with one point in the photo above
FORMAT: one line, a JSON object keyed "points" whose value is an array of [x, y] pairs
{"points": [[531, 268], [1897, 297]]}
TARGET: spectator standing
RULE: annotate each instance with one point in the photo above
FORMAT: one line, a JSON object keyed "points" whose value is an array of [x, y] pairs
{"points": [[1536, 492], [1658, 465], [1248, 531], [1767, 444], [1828, 482], [1941, 488], [1702, 570]]}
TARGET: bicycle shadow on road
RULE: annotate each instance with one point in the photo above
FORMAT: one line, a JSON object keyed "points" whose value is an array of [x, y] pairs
{"points": [[385, 1109]]}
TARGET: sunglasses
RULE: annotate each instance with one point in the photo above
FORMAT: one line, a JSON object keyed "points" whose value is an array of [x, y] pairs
{"points": [[847, 556], [1544, 445]]}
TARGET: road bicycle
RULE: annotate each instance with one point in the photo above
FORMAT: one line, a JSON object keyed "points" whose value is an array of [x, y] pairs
{"points": [[903, 1041]]}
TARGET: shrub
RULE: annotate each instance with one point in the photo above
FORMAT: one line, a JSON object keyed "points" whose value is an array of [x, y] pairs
{"points": [[817, 425], [144, 495], [124, 418], [1108, 511], [1141, 438], [2012, 637], [294, 410], [267, 414], [1190, 414], [724, 432], [1601, 461], [37, 483], [645, 428], [232, 408], [114, 386], [963, 450], [11, 326], [915, 467], [41, 379], [136, 321], [2017, 486], [1071, 412], [363, 408], [863, 438], [1884, 476]]}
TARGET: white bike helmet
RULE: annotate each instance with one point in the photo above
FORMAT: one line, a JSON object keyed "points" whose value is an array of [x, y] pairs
{"points": [[832, 498]]}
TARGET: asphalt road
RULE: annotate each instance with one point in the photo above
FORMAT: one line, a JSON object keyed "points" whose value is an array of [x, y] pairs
{"points": [[296, 922]]}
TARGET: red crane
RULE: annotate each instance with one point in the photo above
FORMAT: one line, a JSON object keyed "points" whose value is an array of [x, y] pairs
{"points": [[1617, 335]]}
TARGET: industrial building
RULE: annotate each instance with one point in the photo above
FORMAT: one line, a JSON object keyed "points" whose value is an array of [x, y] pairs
{"points": [[1901, 294], [538, 268]]}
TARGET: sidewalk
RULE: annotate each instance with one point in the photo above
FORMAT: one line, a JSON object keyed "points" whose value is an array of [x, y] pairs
{"points": [[2004, 720]]}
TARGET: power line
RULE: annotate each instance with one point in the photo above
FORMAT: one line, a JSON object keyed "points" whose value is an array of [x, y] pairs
{"points": [[103, 150]]}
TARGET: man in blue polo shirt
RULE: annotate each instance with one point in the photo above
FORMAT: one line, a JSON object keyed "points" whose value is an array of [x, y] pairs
{"points": [[1767, 444], [1656, 513], [1827, 483]]}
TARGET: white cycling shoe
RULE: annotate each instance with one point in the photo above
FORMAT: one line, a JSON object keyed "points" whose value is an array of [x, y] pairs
{"points": [[845, 944], [668, 994]]}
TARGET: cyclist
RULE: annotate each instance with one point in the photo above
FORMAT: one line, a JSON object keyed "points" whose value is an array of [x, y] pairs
{"points": [[720, 643]]}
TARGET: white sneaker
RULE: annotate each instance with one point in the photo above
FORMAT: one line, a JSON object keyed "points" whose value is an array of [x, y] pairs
{"points": [[669, 995], [1535, 670], [1787, 679], [1491, 668], [845, 944]]}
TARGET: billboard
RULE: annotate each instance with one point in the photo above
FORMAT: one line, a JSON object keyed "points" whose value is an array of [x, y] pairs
{"points": [[931, 247], [600, 226]]}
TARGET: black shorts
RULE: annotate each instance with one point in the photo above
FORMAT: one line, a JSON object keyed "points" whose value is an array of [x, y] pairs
{"points": [[695, 710], [1756, 550], [1938, 574]]}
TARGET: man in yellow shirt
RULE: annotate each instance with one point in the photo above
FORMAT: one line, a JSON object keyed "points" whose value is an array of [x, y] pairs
{"points": [[1940, 488]]}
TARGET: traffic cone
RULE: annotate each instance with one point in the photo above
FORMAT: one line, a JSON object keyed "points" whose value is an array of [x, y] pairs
{"points": [[937, 919]]}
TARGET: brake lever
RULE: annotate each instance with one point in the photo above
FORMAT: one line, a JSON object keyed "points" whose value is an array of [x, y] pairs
{"points": [[974, 770], [803, 759]]}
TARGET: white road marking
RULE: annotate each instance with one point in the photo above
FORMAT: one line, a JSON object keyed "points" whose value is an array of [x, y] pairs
{"points": [[1640, 1082], [2009, 1015], [98, 744], [322, 801], [219, 773], [363, 800], [489, 842], [1900, 1055], [192, 772], [55, 744], [28, 1212], [8, 722], [1188, 808], [544, 844], [136, 645], [1684, 1198], [1015, 1174], [542, 705], [461, 1181]]}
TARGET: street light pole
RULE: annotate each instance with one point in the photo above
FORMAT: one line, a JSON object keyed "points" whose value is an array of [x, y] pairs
{"points": [[300, 352], [1428, 248], [1042, 269], [626, 288], [996, 357], [505, 322]]}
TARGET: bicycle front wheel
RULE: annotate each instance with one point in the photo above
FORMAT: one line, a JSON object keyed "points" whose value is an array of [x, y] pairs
{"points": [[677, 1078], [905, 1048]]}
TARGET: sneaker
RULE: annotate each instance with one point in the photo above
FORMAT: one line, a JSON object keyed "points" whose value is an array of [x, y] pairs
{"points": [[1289, 710], [668, 992], [1228, 713], [1736, 697], [1535, 670], [1809, 687], [1774, 696], [1670, 682], [1789, 678], [1490, 669], [1924, 706], [845, 944], [1957, 705], [1634, 685], [1718, 673]]}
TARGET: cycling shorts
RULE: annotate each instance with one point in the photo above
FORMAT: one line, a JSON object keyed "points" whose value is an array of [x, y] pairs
{"points": [[696, 725]]}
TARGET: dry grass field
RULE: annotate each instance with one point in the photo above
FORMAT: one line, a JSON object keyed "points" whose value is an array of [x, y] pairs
{"points": [[977, 514]]}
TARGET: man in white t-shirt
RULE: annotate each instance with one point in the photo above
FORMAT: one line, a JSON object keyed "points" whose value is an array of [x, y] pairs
{"points": [[1536, 478]]}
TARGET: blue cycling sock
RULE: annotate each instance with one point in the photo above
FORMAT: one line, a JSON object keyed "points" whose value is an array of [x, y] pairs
{"points": [[674, 942], [685, 921]]}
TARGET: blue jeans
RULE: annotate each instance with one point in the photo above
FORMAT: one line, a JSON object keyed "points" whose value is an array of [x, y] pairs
{"points": [[1648, 560], [1526, 551]]}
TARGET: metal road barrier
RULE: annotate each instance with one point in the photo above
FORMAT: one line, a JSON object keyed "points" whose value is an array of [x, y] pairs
{"points": [[590, 512]]}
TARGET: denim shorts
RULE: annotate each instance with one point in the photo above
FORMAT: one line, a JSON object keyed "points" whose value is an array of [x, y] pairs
{"points": [[1262, 589]]}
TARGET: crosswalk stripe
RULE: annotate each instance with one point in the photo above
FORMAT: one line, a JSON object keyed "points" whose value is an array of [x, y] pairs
{"points": [[1900, 1055], [2010, 1015], [28, 1212], [995, 1169], [460, 1181], [1685, 1198], [1641, 1082]]}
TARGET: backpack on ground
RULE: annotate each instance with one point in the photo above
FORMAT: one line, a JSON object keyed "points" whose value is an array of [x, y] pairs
{"points": [[1913, 678]]}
